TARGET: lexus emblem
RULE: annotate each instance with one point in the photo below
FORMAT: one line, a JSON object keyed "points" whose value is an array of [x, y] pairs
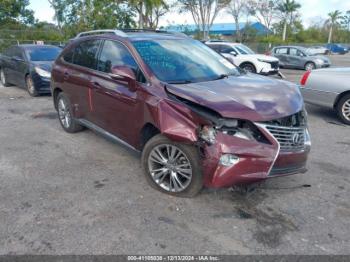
{"points": [[295, 138]]}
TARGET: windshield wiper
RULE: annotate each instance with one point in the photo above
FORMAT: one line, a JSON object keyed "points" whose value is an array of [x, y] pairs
{"points": [[180, 82]]}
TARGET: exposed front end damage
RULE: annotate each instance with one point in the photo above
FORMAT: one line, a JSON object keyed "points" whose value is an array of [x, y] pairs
{"points": [[242, 151]]}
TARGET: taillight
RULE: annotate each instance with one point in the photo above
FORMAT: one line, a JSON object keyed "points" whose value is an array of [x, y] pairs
{"points": [[268, 53], [305, 78]]}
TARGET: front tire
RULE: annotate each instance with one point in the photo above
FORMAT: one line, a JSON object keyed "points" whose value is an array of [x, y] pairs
{"points": [[172, 168], [310, 66], [343, 109], [3, 78], [248, 68], [31, 87], [65, 114]]}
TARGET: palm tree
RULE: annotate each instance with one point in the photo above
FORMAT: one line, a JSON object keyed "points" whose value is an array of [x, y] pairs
{"points": [[144, 8], [333, 20], [287, 9]]}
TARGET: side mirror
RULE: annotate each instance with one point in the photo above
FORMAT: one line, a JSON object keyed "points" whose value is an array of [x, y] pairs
{"points": [[233, 53], [18, 59], [124, 73]]}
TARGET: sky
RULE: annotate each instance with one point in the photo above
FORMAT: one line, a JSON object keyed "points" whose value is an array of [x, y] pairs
{"points": [[312, 11]]}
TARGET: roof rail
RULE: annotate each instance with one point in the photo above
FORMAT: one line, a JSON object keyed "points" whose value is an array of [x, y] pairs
{"points": [[104, 31], [122, 32], [215, 41], [153, 30]]}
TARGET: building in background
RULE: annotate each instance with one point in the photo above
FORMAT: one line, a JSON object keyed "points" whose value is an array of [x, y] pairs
{"points": [[222, 29]]}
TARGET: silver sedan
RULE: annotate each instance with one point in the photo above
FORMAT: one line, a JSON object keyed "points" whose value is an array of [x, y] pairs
{"points": [[329, 88]]}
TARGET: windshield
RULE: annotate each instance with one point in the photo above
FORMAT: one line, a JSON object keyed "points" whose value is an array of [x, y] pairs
{"points": [[244, 50], [43, 53], [183, 61]]}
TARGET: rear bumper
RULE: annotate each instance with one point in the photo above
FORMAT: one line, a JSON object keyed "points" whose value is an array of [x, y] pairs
{"points": [[257, 161]]}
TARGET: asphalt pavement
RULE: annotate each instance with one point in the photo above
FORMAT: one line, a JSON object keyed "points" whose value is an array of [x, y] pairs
{"points": [[81, 194]]}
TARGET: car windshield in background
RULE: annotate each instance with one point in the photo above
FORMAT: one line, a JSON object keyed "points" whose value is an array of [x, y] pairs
{"points": [[244, 50], [183, 61], [43, 53]]}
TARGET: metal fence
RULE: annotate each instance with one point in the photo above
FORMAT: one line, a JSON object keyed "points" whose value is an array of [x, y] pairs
{"points": [[5, 43]]}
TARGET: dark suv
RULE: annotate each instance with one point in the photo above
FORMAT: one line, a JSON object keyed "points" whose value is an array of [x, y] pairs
{"points": [[194, 116]]}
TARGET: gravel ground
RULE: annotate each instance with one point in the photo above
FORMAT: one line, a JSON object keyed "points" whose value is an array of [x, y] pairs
{"points": [[81, 194]]}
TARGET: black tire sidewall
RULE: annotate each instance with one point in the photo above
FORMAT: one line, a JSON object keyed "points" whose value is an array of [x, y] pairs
{"points": [[191, 153], [340, 106]]}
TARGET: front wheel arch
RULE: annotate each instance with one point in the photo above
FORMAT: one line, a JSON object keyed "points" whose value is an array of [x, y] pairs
{"points": [[339, 97]]}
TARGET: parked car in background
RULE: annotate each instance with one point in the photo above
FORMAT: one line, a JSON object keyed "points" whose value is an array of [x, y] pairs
{"points": [[329, 88], [299, 57], [338, 49], [243, 57], [195, 117], [318, 50], [28, 66]]}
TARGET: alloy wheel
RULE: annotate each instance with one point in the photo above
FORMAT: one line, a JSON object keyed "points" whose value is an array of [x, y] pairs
{"points": [[30, 86], [64, 114], [346, 110], [248, 69], [170, 168], [2, 76], [309, 67]]}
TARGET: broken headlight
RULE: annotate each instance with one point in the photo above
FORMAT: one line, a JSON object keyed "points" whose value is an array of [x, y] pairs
{"points": [[208, 134]]}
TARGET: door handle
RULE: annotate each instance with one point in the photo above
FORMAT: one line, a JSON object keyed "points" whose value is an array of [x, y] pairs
{"points": [[65, 75], [96, 85]]}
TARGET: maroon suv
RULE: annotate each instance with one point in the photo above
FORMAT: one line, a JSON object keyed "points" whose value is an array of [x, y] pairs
{"points": [[196, 118]]}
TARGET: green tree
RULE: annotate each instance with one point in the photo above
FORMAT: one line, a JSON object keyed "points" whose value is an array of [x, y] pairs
{"points": [[345, 20], [333, 18], [74, 16], [204, 12], [149, 11], [288, 9], [15, 11]]}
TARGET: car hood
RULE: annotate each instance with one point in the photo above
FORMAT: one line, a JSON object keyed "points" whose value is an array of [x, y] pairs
{"points": [[46, 65], [251, 97]]}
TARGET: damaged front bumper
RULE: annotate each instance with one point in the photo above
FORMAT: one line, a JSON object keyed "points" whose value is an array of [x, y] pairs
{"points": [[254, 161]]}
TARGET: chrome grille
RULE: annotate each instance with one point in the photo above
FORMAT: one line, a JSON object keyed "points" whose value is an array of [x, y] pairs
{"points": [[290, 138]]}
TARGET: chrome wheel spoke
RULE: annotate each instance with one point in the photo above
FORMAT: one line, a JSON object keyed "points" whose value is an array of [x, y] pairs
{"points": [[346, 110], [64, 114], [170, 168]]}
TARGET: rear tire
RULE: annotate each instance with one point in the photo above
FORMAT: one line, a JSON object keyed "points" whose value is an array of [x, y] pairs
{"points": [[3, 78], [31, 87], [176, 162], [65, 114], [343, 109]]}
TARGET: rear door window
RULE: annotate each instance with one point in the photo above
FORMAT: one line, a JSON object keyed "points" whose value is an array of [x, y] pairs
{"points": [[226, 49], [85, 53], [281, 51], [17, 53], [216, 48]]}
